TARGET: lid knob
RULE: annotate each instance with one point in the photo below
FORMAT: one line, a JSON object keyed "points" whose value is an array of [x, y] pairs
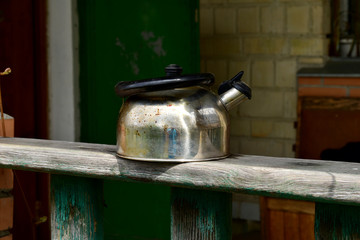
{"points": [[173, 70]]}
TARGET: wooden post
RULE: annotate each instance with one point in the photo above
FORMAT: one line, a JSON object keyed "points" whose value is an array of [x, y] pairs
{"points": [[336, 221], [76, 208], [199, 214]]}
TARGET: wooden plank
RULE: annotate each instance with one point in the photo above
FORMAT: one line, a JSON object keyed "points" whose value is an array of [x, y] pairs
{"points": [[276, 229], [326, 181], [306, 226], [334, 221], [264, 213], [76, 208], [298, 219], [291, 205], [349, 104], [291, 225], [198, 214]]}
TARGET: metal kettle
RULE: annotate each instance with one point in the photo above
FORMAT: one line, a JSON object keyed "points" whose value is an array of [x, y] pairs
{"points": [[177, 118]]}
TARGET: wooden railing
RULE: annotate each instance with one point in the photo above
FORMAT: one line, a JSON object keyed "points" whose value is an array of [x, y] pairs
{"points": [[201, 191]]}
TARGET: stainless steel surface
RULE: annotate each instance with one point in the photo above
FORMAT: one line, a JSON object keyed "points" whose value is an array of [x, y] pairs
{"points": [[231, 98], [187, 124], [180, 160]]}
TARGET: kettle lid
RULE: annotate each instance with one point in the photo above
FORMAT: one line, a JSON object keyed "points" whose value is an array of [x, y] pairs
{"points": [[173, 79]]}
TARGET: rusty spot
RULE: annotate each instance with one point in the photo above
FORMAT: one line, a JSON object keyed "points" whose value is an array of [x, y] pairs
{"points": [[158, 112], [165, 127], [137, 133], [169, 105]]}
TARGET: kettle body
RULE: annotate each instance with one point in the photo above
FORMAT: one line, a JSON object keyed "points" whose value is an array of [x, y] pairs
{"points": [[173, 125], [179, 124]]}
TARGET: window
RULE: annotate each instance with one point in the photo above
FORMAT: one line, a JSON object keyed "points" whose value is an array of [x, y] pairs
{"points": [[345, 36]]}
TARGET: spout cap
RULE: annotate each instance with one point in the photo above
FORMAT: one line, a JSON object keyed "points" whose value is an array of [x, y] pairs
{"points": [[236, 82]]}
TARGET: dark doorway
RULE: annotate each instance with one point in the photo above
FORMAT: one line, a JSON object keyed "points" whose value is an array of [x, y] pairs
{"points": [[23, 49]]}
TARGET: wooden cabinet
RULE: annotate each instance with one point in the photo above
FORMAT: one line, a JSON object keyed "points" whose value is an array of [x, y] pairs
{"points": [[287, 219], [326, 123]]}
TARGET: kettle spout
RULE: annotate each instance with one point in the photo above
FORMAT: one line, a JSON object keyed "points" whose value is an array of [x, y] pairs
{"points": [[234, 91]]}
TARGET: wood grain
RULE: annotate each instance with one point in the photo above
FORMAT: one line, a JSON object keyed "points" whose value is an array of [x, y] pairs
{"points": [[291, 205], [264, 214], [200, 214], [306, 226], [76, 208], [297, 220], [291, 225], [349, 104], [276, 226], [322, 181]]}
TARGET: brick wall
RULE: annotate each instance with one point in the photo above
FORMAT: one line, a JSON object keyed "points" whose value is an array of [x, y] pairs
{"points": [[270, 40], [329, 87]]}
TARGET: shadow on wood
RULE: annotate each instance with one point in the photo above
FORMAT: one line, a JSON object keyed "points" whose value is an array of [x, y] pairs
{"points": [[335, 221]]}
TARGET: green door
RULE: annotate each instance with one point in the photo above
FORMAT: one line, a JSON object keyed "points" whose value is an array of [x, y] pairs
{"points": [[130, 40]]}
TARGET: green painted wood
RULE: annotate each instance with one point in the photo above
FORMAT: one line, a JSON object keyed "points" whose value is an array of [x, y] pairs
{"points": [[134, 215], [76, 208], [131, 40], [336, 221], [199, 214]]}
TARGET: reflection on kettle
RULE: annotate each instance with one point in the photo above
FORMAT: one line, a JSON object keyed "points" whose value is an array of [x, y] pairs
{"points": [[172, 146], [177, 118]]}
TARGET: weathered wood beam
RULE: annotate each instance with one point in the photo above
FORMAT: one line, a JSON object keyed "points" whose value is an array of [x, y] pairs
{"points": [[323, 181]]}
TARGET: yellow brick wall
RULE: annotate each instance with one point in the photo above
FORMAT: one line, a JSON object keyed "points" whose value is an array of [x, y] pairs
{"points": [[270, 40]]}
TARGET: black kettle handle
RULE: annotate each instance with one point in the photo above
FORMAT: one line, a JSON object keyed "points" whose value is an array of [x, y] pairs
{"points": [[235, 82], [126, 88], [173, 79]]}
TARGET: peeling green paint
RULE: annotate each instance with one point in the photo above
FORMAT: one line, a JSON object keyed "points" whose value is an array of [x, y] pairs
{"points": [[76, 208]]}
